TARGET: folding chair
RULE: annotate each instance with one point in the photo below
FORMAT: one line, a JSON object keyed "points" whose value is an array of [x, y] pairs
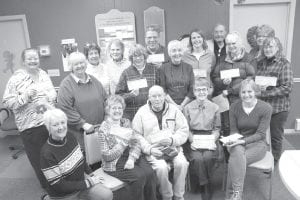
{"points": [[93, 155]]}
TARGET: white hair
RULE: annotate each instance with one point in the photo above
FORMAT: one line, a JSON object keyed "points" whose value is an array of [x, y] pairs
{"points": [[174, 44], [51, 114], [75, 57], [236, 37]]}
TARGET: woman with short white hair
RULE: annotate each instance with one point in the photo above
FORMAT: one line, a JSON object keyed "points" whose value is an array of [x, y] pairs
{"points": [[81, 96], [61, 150], [177, 77]]}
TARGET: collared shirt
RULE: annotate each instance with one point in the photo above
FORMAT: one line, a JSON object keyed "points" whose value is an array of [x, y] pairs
{"points": [[78, 81], [25, 108], [205, 117], [278, 96], [220, 53]]}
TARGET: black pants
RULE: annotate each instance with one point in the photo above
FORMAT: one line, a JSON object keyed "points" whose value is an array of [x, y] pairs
{"points": [[141, 179], [33, 140]]}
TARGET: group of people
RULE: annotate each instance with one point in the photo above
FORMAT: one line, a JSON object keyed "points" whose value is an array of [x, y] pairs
{"points": [[149, 114]]}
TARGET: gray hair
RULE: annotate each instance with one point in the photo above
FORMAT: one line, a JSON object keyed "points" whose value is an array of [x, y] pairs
{"points": [[173, 44]]}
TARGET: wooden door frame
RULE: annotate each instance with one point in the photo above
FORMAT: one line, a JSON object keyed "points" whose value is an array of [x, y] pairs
{"points": [[292, 9], [21, 18]]}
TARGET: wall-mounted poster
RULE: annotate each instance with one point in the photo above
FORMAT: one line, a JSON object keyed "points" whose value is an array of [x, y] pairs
{"points": [[67, 47], [115, 25], [155, 17]]}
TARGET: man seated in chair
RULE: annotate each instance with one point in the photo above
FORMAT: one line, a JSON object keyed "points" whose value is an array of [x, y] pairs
{"points": [[164, 129], [64, 166]]}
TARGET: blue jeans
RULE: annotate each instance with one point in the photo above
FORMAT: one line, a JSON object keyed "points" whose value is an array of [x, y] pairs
{"points": [[277, 129]]}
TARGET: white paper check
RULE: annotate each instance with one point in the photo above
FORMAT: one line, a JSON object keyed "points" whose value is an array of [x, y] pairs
{"points": [[222, 102], [137, 84], [231, 138], [156, 58], [204, 142], [266, 80], [229, 73]]}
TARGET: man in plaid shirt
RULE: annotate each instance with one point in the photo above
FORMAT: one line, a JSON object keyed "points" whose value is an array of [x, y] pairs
{"points": [[275, 65]]}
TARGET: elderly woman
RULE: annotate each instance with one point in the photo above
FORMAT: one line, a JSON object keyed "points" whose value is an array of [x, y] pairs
{"points": [[199, 56], [116, 63], [275, 65], [249, 117], [28, 93], [92, 53], [204, 119], [237, 59], [136, 80], [121, 152], [62, 150], [81, 97], [177, 77]]}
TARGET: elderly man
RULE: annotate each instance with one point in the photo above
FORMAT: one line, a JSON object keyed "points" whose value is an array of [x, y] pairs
{"points": [[217, 45], [157, 53], [164, 129]]}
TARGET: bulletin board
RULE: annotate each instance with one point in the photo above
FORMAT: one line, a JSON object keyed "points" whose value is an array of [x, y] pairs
{"points": [[115, 25]]}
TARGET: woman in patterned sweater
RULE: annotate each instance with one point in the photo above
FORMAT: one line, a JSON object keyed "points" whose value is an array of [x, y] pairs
{"points": [[121, 152]]}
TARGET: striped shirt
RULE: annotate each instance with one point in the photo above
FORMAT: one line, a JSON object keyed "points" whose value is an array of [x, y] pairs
{"points": [[278, 96], [27, 109], [63, 165]]}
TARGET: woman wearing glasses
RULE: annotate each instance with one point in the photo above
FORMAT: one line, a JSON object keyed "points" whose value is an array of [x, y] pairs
{"points": [[136, 80]]}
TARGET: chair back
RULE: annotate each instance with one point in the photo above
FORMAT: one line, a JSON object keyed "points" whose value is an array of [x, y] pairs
{"points": [[268, 139], [92, 148]]}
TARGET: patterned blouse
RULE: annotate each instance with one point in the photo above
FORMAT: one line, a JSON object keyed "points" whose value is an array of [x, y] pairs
{"points": [[111, 149], [28, 111]]}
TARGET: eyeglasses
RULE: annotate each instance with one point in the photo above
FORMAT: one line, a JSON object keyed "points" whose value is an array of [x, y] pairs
{"points": [[200, 89]]}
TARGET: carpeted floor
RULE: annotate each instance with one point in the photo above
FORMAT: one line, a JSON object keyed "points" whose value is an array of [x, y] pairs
{"points": [[18, 182]]}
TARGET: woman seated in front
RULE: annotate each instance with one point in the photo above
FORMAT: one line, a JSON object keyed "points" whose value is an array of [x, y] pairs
{"points": [[121, 151], [204, 121], [250, 117], [64, 166]]}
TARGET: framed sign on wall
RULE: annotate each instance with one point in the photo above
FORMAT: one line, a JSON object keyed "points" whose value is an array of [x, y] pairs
{"points": [[115, 25]]}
